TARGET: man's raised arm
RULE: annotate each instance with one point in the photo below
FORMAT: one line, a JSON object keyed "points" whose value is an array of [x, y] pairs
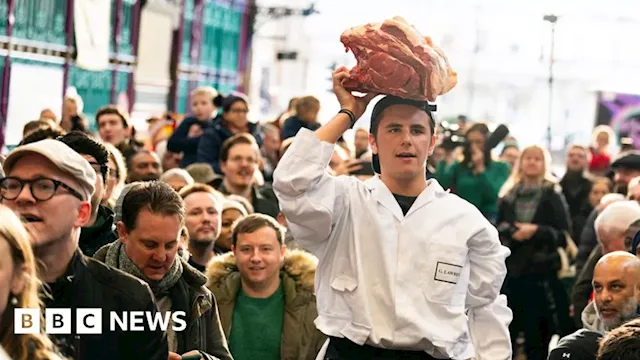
{"points": [[310, 198]]}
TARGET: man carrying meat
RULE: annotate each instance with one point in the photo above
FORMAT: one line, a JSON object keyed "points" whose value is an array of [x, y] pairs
{"points": [[406, 270]]}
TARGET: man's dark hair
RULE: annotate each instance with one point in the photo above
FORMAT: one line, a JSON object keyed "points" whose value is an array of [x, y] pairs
{"points": [[242, 138], [129, 159], [83, 144], [42, 134], [34, 125], [112, 110], [389, 101], [155, 196], [622, 343], [255, 222]]}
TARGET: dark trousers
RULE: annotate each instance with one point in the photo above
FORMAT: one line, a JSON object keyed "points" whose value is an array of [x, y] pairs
{"points": [[344, 349], [535, 312]]}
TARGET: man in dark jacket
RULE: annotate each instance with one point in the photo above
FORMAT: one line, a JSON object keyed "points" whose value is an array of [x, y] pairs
{"points": [[239, 159], [50, 186], [576, 188], [616, 285], [100, 230], [153, 216]]}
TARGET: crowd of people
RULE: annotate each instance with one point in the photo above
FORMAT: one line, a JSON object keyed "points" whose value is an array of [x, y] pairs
{"points": [[280, 240]]}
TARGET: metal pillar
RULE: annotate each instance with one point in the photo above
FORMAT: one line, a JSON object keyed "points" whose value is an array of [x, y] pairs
{"points": [[6, 74], [117, 31], [176, 53], [135, 37], [68, 29], [553, 20]]}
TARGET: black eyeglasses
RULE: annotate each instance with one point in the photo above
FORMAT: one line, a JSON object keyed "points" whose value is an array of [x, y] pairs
{"points": [[42, 189]]}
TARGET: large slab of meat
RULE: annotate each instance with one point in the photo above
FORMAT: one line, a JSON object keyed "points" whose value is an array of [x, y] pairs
{"points": [[395, 59]]}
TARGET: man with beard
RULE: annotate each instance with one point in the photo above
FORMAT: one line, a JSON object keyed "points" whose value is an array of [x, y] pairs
{"points": [[100, 230], [614, 228], [203, 208], [625, 168], [616, 286], [576, 187], [239, 158], [143, 166]]}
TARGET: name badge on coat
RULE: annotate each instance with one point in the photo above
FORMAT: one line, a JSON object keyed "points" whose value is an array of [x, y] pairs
{"points": [[448, 273]]}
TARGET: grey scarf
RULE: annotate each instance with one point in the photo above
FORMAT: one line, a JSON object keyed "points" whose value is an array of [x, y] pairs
{"points": [[117, 257]]}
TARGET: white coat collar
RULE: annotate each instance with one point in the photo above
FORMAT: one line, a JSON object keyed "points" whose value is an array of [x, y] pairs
{"points": [[383, 195]]}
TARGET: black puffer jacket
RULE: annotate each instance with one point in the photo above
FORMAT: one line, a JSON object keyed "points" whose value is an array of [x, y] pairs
{"points": [[89, 283]]}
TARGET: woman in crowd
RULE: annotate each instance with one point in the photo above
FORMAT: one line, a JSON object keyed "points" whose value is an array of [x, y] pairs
{"points": [[117, 176], [603, 138], [232, 211], [533, 221], [600, 188], [477, 178], [233, 120], [510, 152], [19, 289]]}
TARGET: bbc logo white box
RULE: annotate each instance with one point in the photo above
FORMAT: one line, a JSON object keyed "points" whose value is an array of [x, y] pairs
{"points": [[89, 321], [26, 321], [58, 321]]}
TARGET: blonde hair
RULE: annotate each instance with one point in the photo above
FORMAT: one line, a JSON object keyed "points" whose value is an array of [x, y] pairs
{"points": [[306, 102], [23, 346], [602, 129], [121, 167], [205, 90], [516, 172]]}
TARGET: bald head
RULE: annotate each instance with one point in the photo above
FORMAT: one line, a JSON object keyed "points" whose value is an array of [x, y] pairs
{"points": [[616, 283], [620, 261]]}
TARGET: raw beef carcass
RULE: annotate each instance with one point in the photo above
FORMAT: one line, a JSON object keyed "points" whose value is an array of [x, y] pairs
{"points": [[393, 58]]}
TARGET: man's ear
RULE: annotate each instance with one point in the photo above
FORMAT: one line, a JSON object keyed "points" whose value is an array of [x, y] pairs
{"points": [[122, 232], [84, 214], [283, 250], [432, 144], [372, 143]]}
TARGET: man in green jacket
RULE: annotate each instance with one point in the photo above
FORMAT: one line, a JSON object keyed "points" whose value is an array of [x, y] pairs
{"points": [[265, 294]]}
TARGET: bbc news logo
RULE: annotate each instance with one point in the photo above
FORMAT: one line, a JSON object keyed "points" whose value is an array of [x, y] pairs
{"points": [[89, 321]]}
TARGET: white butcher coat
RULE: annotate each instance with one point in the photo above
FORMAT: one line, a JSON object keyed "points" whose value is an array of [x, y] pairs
{"points": [[428, 280]]}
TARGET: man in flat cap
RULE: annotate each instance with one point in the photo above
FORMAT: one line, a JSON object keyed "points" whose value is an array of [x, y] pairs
{"points": [[50, 186]]}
